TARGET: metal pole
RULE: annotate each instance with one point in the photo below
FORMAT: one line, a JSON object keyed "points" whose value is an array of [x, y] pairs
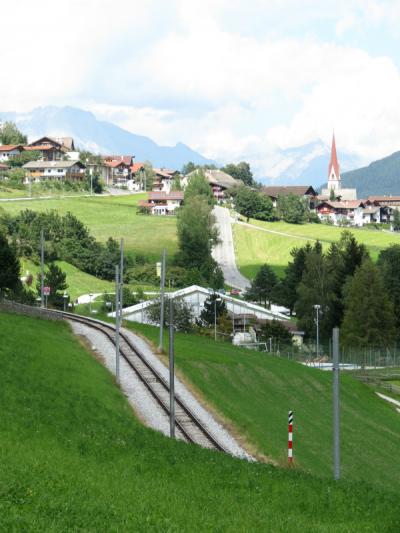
{"points": [[121, 277], [42, 268], [317, 332], [91, 183], [215, 319], [117, 322], [162, 290], [171, 371], [336, 420]]}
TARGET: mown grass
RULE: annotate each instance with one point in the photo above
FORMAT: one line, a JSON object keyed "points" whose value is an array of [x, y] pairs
{"points": [[254, 247], [74, 458], [255, 391], [113, 216]]}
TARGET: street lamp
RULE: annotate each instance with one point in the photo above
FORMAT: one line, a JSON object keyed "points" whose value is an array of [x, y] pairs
{"points": [[90, 303], [65, 297], [317, 309], [215, 316]]}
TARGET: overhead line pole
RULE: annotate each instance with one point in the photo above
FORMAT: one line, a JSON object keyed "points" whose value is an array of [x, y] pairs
{"points": [[41, 268], [121, 276], [171, 371], [117, 294], [336, 413], [162, 291]]}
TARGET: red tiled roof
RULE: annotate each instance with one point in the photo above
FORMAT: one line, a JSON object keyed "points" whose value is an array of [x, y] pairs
{"points": [[136, 166], [127, 159], [334, 160], [9, 147], [378, 199], [345, 204], [160, 195], [114, 164]]}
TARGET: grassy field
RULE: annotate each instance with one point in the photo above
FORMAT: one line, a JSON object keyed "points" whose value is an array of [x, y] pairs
{"points": [[255, 391], [254, 247], [74, 458], [113, 216]]}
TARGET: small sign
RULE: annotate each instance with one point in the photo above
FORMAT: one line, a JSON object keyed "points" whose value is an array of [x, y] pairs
{"points": [[46, 291]]}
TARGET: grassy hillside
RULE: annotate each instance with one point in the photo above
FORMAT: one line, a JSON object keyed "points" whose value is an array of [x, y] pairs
{"points": [[379, 177], [255, 391], [74, 458], [113, 216], [254, 247]]}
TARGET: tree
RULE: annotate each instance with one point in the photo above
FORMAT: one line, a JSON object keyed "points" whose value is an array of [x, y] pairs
{"points": [[389, 266], [183, 317], [198, 186], [263, 285], [242, 172], [9, 267], [396, 220], [253, 204], [10, 134], [277, 331], [369, 313], [196, 236], [188, 168], [315, 288], [213, 306], [23, 158], [285, 292], [56, 279], [292, 209]]}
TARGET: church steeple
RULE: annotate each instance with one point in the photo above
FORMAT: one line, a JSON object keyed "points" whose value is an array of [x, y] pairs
{"points": [[334, 178]]}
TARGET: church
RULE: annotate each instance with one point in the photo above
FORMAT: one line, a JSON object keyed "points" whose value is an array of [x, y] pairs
{"points": [[334, 189]]}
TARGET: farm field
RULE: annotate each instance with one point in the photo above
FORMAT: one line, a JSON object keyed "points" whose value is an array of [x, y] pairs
{"points": [[74, 457], [255, 391], [112, 216], [254, 247]]}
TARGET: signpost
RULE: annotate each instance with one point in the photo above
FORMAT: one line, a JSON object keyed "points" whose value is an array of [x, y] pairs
{"points": [[46, 293]]}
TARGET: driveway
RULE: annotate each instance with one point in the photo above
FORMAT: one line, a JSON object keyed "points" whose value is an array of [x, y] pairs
{"points": [[224, 253]]}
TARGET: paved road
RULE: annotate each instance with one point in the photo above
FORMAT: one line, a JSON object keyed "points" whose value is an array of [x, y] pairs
{"points": [[224, 253]]}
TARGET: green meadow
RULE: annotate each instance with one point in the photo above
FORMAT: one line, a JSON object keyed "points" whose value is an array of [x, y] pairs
{"points": [[73, 457], [253, 246]]}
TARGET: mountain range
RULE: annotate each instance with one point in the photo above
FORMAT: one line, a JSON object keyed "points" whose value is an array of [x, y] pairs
{"points": [[305, 165], [100, 136]]}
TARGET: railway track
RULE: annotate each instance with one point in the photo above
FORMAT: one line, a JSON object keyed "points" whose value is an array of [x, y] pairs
{"points": [[187, 425]]}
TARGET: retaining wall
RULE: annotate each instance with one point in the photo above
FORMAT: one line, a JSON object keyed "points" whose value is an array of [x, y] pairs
{"points": [[22, 309]]}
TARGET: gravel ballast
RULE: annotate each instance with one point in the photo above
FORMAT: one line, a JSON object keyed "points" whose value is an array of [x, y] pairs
{"points": [[140, 398]]}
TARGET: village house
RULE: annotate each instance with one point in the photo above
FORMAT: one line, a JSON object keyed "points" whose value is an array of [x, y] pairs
{"points": [[9, 150], [162, 203], [342, 213], [303, 191], [219, 181], [164, 179], [119, 169], [37, 171]]}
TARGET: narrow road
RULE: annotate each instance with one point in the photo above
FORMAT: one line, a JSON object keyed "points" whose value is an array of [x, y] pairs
{"points": [[224, 253]]}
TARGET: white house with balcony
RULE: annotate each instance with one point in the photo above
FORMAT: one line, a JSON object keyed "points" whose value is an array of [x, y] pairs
{"points": [[162, 203], [54, 170]]}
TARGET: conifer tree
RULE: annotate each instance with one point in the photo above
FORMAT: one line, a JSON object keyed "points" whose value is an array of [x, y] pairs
{"points": [[9, 267], [263, 285], [369, 313]]}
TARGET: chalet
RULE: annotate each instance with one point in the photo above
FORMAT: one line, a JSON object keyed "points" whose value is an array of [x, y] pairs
{"points": [[219, 181], [55, 170], [344, 212], [162, 203], [387, 201], [9, 150], [164, 179], [303, 191], [119, 168]]}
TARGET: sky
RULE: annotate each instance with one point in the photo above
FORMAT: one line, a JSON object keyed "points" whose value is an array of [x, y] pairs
{"points": [[233, 79]]}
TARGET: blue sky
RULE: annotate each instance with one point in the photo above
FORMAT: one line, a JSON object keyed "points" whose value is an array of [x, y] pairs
{"points": [[233, 79]]}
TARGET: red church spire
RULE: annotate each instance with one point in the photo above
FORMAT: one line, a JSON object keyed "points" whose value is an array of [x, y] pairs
{"points": [[334, 160]]}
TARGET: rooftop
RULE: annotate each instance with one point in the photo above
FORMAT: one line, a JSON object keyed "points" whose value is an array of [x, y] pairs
{"points": [[52, 164], [285, 190]]}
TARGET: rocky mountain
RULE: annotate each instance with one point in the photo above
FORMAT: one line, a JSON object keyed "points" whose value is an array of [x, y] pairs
{"points": [[380, 177], [100, 136]]}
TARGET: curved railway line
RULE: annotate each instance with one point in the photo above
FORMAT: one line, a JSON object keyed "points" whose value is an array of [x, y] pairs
{"points": [[188, 426]]}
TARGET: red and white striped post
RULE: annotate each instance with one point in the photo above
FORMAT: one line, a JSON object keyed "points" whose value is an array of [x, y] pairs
{"points": [[290, 438]]}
